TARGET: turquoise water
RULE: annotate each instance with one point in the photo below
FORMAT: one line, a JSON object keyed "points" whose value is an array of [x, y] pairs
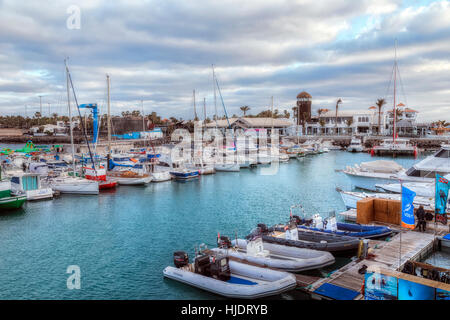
{"points": [[122, 240]]}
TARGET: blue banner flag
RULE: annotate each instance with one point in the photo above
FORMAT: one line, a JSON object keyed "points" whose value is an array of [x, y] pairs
{"points": [[440, 199], [408, 208]]}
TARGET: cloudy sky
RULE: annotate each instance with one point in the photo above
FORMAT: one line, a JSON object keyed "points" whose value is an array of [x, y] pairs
{"points": [[159, 51]]}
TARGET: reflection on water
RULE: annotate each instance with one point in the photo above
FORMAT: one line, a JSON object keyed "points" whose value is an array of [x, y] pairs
{"points": [[440, 258]]}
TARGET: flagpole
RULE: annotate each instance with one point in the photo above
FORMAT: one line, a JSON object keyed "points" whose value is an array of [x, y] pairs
{"points": [[400, 247], [435, 222]]}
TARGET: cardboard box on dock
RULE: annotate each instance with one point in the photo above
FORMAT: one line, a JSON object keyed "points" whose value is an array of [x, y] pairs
{"points": [[381, 210]]}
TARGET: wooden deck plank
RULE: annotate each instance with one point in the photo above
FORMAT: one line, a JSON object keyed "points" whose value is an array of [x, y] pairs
{"points": [[385, 255]]}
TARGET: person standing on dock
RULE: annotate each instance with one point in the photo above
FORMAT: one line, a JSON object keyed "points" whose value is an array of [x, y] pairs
{"points": [[422, 223]]}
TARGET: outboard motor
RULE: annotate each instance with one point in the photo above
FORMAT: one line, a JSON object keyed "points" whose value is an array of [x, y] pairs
{"points": [[202, 265], [220, 268], [180, 259], [263, 228], [297, 220], [223, 242]]}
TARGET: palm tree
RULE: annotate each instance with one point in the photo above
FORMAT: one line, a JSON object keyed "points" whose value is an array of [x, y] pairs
{"points": [[337, 106], [244, 109], [322, 123], [349, 123], [295, 114], [287, 114], [380, 102]]}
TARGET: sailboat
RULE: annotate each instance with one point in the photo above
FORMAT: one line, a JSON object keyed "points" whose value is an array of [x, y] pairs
{"points": [[124, 173], [231, 166], [395, 146], [72, 184]]}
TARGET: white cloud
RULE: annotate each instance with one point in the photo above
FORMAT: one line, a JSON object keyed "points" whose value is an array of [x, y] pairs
{"points": [[161, 50]]}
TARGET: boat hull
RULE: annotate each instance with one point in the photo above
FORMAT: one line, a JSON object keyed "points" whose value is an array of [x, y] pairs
{"points": [[39, 194], [184, 175], [133, 181], [281, 257], [228, 168], [77, 188], [104, 185], [161, 176], [9, 203], [356, 230], [266, 282]]}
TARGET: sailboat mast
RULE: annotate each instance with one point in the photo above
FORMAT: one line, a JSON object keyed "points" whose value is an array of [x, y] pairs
{"points": [[215, 96], [395, 88], [70, 118], [109, 116], [195, 107], [143, 117], [204, 109], [271, 132]]}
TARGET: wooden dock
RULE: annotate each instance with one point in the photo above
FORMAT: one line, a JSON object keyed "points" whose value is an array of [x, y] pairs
{"points": [[383, 254]]}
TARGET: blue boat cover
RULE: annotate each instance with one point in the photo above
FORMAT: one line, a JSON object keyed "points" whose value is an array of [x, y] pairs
{"points": [[354, 230], [237, 280], [335, 292], [447, 236]]}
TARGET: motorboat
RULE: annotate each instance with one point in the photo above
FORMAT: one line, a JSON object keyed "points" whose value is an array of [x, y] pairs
{"points": [[9, 201], [280, 257], [422, 189], [184, 173], [355, 145], [30, 185], [368, 174], [350, 198], [220, 275]]}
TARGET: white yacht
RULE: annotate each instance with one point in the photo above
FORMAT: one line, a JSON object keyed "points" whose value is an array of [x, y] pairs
{"points": [[422, 189], [350, 198], [30, 185], [397, 146], [368, 174], [355, 145]]}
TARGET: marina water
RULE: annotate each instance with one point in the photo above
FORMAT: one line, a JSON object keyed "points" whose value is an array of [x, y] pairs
{"points": [[123, 239]]}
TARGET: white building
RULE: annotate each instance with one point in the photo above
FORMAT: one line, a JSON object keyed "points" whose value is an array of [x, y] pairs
{"points": [[362, 122]]}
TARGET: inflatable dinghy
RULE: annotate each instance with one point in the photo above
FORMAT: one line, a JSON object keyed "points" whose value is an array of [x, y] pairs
{"points": [[329, 225], [290, 235], [276, 256], [356, 230], [217, 274]]}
